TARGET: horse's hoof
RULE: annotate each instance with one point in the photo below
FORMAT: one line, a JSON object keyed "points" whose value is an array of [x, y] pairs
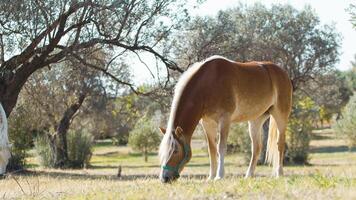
{"points": [[210, 178], [218, 178], [248, 176]]}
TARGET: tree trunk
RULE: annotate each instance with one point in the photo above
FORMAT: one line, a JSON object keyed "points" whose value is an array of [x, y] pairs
{"points": [[61, 150]]}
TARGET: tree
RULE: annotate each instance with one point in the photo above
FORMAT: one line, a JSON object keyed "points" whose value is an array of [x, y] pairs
{"points": [[291, 38], [352, 11], [35, 34], [330, 92], [346, 126], [144, 137], [350, 76], [57, 95]]}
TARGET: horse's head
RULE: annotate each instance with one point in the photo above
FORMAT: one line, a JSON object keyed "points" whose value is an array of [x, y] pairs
{"points": [[4, 159], [180, 154]]}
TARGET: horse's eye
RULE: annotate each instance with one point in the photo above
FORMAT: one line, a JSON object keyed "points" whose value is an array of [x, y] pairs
{"points": [[175, 151]]}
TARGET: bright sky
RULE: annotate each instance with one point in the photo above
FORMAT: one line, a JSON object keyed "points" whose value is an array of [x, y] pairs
{"points": [[329, 11]]}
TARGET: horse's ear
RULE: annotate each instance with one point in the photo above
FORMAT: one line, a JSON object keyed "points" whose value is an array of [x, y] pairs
{"points": [[178, 132], [162, 130]]}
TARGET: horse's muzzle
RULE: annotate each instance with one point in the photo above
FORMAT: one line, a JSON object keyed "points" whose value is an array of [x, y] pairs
{"points": [[167, 179]]}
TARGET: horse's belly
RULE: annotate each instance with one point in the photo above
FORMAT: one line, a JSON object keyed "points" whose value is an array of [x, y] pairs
{"points": [[246, 110]]}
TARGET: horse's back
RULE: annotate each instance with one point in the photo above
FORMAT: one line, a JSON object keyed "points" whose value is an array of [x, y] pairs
{"points": [[246, 90]]}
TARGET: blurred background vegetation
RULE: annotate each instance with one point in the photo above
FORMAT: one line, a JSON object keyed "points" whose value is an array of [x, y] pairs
{"points": [[68, 95]]}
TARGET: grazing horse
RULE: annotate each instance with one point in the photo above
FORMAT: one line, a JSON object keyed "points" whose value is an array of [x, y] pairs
{"points": [[4, 142], [217, 92]]}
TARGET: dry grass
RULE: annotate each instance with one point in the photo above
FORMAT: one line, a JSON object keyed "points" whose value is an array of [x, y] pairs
{"points": [[331, 175]]}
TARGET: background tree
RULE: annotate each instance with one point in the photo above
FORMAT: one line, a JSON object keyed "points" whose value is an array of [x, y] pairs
{"points": [[57, 94], [330, 93], [291, 38], [35, 34], [144, 137], [346, 126], [352, 11], [350, 76]]}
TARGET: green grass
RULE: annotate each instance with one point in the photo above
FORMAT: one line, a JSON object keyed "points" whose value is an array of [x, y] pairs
{"points": [[330, 175]]}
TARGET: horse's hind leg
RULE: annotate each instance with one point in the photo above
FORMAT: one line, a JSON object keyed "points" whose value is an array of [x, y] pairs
{"points": [[281, 121], [255, 129], [210, 129], [224, 126]]}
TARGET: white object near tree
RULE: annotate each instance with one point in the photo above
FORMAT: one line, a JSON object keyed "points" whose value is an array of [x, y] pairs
{"points": [[4, 142]]}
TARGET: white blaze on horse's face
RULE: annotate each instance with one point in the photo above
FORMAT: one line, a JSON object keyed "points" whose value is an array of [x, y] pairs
{"points": [[180, 156], [171, 170]]}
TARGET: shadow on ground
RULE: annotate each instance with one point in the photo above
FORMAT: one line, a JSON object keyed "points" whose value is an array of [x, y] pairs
{"points": [[331, 149]]}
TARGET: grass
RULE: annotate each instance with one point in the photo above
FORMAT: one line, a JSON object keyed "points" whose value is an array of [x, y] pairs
{"points": [[331, 175]]}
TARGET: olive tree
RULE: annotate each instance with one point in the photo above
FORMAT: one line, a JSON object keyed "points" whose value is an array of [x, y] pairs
{"points": [[144, 137], [36, 34], [346, 126], [292, 38]]}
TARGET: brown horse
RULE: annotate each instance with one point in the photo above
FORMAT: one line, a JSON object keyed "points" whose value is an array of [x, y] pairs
{"points": [[217, 92]]}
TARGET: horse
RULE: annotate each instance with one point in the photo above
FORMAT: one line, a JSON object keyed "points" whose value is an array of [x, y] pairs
{"points": [[217, 92], [4, 142]]}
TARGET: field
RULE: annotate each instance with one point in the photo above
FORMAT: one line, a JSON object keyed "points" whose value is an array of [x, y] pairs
{"points": [[330, 175]]}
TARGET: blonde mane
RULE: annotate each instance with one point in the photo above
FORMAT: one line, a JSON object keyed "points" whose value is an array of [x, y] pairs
{"points": [[167, 144]]}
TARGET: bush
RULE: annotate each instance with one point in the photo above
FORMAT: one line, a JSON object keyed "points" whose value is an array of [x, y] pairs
{"points": [[299, 130], [44, 151], [144, 137], [79, 146], [346, 127], [79, 149], [239, 140], [20, 136]]}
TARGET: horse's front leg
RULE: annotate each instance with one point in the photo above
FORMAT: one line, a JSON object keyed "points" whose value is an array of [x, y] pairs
{"points": [[224, 126], [210, 128]]}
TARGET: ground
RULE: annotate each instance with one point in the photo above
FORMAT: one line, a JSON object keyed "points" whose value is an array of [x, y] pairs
{"points": [[330, 175]]}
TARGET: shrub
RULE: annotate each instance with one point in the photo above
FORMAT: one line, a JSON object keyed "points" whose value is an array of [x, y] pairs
{"points": [[79, 148], [20, 137], [144, 137], [79, 145], [44, 151], [346, 126], [239, 140], [299, 130]]}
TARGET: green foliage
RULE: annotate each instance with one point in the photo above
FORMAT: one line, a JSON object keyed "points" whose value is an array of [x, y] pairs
{"points": [[352, 11], [79, 146], [239, 140], [299, 129], [44, 152], [350, 75], [346, 127], [144, 137], [20, 137], [293, 38]]}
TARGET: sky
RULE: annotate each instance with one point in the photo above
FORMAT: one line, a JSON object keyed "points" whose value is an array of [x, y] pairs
{"points": [[329, 12]]}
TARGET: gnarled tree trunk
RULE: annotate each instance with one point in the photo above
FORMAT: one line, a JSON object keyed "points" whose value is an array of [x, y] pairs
{"points": [[60, 137]]}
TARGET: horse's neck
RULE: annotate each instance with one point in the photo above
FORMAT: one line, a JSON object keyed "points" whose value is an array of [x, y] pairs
{"points": [[188, 118]]}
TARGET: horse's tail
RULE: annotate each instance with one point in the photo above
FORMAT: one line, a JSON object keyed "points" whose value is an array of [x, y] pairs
{"points": [[272, 154]]}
